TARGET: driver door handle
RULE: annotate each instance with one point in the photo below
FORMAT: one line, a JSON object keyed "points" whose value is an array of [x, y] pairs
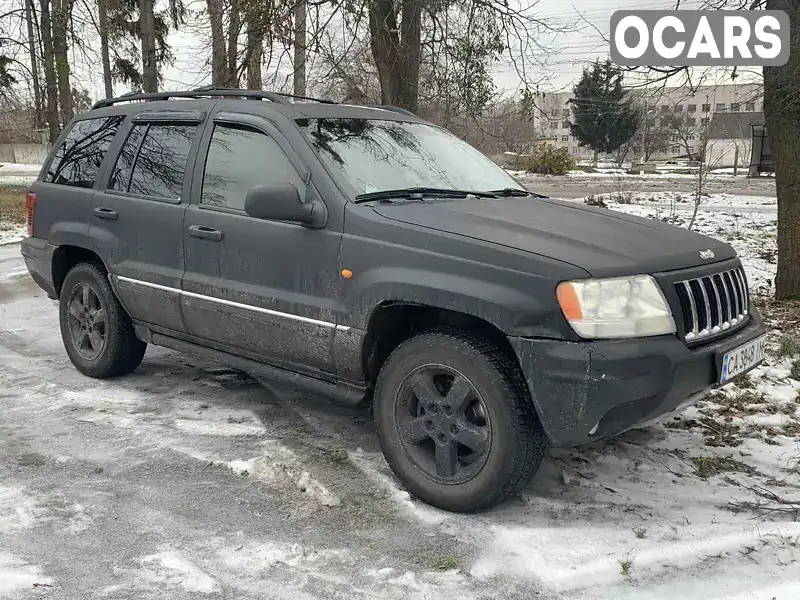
{"points": [[205, 233], [106, 214]]}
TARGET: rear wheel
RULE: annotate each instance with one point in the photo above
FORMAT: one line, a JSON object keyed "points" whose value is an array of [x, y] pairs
{"points": [[456, 422], [98, 334]]}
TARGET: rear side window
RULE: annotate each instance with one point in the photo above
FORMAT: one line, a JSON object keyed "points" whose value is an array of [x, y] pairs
{"points": [[77, 160], [153, 159], [239, 159]]}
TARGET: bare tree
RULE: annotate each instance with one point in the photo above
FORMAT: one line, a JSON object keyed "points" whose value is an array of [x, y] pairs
{"points": [[102, 30], [30, 20], [396, 49], [51, 86], [300, 42], [60, 23], [218, 51], [707, 164], [255, 41], [682, 128], [782, 114], [651, 138], [147, 35]]}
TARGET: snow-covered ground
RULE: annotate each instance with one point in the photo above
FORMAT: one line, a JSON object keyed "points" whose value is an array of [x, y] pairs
{"points": [[188, 480], [10, 234], [18, 174]]}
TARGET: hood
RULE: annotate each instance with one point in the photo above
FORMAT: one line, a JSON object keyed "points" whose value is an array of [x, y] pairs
{"points": [[601, 241]]}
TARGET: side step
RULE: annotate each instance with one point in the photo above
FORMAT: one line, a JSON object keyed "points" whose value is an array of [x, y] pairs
{"points": [[338, 392]]}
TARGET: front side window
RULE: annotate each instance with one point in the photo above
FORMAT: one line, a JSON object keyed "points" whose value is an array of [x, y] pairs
{"points": [[77, 160], [375, 155], [240, 158]]}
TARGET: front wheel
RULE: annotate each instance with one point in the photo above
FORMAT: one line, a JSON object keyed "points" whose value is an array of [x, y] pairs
{"points": [[456, 422]]}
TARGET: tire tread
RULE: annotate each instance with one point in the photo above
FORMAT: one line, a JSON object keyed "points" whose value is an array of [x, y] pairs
{"points": [[125, 350], [531, 441]]}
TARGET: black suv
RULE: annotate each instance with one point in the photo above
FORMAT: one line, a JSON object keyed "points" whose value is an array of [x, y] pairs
{"points": [[374, 257]]}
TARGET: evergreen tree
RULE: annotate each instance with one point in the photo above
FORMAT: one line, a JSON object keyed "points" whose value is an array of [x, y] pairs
{"points": [[603, 117]]}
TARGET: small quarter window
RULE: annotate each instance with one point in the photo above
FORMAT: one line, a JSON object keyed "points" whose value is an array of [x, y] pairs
{"points": [[77, 160]]}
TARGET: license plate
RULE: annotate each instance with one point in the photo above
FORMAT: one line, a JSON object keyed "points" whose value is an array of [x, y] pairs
{"points": [[742, 359]]}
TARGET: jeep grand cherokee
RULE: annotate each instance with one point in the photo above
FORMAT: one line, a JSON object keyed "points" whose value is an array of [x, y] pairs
{"points": [[376, 258]]}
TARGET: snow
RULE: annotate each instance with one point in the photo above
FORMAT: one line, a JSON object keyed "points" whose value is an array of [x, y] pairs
{"points": [[224, 429], [278, 466], [171, 569], [18, 174], [11, 234], [199, 483], [17, 576]]}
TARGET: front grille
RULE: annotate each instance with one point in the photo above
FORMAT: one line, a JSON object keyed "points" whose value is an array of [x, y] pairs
{"points": [[713, 303]]}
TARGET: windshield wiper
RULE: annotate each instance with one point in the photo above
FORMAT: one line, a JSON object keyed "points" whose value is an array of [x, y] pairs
{"points": [[420, 193], [515, 192]]}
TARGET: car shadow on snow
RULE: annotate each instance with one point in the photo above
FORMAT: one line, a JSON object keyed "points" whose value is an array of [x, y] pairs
{"points": [[644, 473]]}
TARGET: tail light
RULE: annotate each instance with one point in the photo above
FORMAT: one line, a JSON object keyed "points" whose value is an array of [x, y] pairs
{"points": [[30, 202]]}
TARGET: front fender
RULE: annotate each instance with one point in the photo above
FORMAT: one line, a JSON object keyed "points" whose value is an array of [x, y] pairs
{"points": [[500, 305]]}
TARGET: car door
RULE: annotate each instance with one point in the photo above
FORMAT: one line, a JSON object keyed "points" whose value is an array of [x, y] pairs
{"points": [[138, 217], [267, 290]]}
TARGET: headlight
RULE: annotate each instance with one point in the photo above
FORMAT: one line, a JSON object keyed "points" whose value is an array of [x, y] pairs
{"points": [[626, 307]]}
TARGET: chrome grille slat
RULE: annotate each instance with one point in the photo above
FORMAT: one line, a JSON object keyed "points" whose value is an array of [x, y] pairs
{"points": [[733, 305], [695, 324], [743, 291], [720, 317], [713, 303], [707, 329]]}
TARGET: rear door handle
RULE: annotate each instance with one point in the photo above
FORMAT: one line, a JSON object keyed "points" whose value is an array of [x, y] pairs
{"points": [[205, 233], [105, 213]]}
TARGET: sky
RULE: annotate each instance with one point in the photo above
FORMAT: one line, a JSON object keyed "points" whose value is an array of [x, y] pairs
{"points": [[586, 20], [569, 50]]}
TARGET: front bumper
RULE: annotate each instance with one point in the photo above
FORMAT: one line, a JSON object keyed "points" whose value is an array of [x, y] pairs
{"points": [[616, 385]]}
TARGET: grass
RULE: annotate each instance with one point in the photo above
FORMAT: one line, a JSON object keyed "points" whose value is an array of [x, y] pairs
{"points": [[12, 206], [640, 532], [708, 466], [789, 346], [625, 565], [794, 372], [445, 563]]}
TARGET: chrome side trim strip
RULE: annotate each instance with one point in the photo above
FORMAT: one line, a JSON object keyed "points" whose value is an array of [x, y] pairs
{"points": [[233, 304], [155, 286]]}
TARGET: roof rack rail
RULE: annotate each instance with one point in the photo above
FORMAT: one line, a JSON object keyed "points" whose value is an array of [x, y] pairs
{"points": [[203, 92], [281, 94], [397, 109]]}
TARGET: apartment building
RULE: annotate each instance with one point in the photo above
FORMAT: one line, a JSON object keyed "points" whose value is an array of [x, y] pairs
{"points": [[695, 107]]}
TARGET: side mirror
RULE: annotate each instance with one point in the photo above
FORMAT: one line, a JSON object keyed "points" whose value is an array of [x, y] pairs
{"points": [[281, 202]]}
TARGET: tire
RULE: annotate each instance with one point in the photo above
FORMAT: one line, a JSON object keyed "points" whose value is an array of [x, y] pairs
{"points": [[479, 398], [98, 334]]}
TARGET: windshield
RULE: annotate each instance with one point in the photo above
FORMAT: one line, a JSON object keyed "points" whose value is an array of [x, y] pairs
{"points": [[375, 155]]}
